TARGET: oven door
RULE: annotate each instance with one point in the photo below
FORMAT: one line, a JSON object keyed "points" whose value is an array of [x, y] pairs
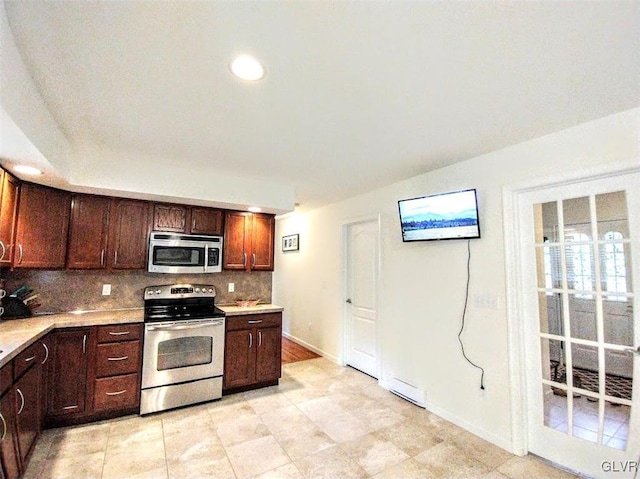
{"points": [[181, 351]]}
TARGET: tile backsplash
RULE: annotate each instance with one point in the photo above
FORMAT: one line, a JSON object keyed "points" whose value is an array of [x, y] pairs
{"points": [[70, 290]]}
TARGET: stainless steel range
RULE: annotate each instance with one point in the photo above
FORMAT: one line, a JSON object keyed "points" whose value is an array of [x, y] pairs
{"points": [[183, 347]]}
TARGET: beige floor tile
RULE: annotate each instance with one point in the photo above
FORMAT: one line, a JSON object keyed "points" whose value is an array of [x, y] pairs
{"points": [[185, 445], [209, 467], [267, 403], [288, 471], [285, 418], [344, 427], [321, 409], [254, 457], [135, 459], [83, 466], [331, 463], [373, 453], [409, 469], [447, 461], [244, 429], [303, 440], [410, 437], [80, 440], [531, 467], [477, 448], [378, 417], [229, 409]]}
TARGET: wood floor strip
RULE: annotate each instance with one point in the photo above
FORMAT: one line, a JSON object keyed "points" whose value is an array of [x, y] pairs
{"points": [[293, 352]]}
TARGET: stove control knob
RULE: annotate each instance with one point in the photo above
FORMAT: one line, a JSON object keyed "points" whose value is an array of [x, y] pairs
{"points": [[149, 293], [158, 291], [211, 290], [197, 290]]}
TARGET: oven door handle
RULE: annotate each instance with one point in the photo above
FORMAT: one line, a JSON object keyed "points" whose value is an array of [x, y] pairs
{"points": [[181, 327]]}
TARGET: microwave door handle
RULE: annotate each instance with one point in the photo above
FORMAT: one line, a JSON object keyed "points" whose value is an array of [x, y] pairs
{"points": [[206, 257]]}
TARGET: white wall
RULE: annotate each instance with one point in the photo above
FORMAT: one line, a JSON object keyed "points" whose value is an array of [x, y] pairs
{"points": [[423, 284]]}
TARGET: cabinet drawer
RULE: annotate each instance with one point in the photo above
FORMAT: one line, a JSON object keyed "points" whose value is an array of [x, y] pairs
{"points": [[119, 332], [26, 359], [120, 392], [6, 378], [248, 321], [117, 358]]}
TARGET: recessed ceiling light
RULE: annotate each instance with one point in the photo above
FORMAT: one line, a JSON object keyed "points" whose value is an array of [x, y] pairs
{"points": [[247, 68], [27, 170], [254, 209]]}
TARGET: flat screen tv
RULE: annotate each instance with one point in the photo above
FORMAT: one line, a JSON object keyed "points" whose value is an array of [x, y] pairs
{"points": [[443, 216]]}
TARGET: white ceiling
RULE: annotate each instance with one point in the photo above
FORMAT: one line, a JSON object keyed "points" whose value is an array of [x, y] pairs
{"points": [[357, 94]]}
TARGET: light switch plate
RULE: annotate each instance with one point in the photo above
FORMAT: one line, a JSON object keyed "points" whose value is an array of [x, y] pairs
{"points": [[106, 289], [232, 287]]}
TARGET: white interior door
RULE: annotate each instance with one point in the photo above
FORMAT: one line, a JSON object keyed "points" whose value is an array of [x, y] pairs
{"points": [[361, 310], [579, 247]]}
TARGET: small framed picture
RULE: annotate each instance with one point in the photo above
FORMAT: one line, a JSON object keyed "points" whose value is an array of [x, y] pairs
{"points": [[291, 242]]}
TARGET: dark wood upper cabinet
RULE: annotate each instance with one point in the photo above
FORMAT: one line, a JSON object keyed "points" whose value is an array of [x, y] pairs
{"points": [[41, 231], [249, 241], [88, 232], [118, 229], [206, 221], [8, 211], [170, 218], [130, 223], [187, 219]]}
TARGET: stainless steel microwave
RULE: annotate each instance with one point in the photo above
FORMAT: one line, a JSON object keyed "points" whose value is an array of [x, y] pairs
{"points": [[180, 253]]}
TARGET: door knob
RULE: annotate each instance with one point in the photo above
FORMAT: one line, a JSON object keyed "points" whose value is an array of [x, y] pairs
{"points": [[349, 300]]}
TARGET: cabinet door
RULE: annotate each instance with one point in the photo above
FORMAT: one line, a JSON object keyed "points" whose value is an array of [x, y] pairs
{"points": [[170, 218], [206, 221], [262, 234], [269, 354], [236, 245], [239, 358], [27, 396], [129, 225], [8, 211], [68, 372], [89, 227], [9, 454], [43, 222]]}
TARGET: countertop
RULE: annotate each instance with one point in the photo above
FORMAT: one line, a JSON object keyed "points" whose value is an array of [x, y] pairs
{"points": [[17, 334]]}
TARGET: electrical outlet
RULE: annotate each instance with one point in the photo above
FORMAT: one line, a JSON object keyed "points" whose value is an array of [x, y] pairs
{"points": [[106, 289], [232, 287]]}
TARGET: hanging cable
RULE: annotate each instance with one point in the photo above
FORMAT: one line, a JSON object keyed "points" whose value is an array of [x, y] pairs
{"points": [[464, 314]]}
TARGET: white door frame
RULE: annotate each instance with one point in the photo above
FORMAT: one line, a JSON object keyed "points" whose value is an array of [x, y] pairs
{"points": [[515, 316], [345, 288]]}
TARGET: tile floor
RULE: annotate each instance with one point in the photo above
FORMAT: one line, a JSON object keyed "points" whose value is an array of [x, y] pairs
{"points": [[322, 421]]}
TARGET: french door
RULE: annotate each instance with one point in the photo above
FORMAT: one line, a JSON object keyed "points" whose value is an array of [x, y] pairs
{"points": [[579, 250]]}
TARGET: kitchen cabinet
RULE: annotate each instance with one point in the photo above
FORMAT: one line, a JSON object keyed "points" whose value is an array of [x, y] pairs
{"points": [[8, 211], [28, 414], [9, 454], [129, 224], [42, 226], [67, 372], [118, 229], [253, 350], [116, 372], [187, 219], [249, 241], [88, 232]]}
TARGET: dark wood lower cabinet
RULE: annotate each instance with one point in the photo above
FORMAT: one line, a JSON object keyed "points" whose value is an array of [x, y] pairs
{"points": [[67, 372], [253, 351], [28, 419], [9, 454]]}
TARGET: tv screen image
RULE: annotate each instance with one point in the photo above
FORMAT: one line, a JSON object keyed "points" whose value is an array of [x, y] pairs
{"points": [[452, 215]]}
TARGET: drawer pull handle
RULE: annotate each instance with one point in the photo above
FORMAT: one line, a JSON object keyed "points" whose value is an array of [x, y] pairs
{"points": [[116, 393], [28, 360], [122, 358], [46, 350], [255, 321], [66, 408], [22, 401], [120, 333], [4, 428]]}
